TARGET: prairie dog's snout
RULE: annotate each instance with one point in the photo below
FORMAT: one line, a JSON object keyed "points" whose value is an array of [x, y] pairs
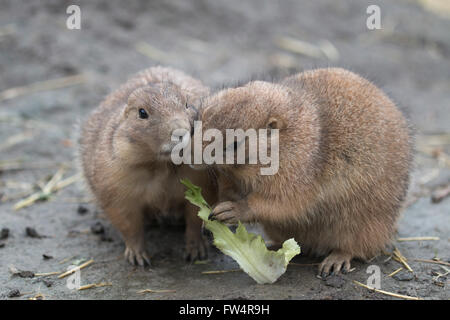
{"points": [[182, 136], [180, 124], [180, 133]]}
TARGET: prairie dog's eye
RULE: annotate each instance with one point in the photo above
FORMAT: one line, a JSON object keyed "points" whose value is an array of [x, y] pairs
{"points": [[143, 114]]}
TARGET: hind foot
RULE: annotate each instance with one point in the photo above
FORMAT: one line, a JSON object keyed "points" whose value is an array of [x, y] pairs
{"points": [[334, 263], [137, 256], [196, 248]]}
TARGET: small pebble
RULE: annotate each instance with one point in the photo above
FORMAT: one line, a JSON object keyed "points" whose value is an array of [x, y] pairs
{"points": [[14, 293], [404, 276], [82, 209], [336, 281], [47, 283], [26, 274], [47, 257], [4, 234], [32, 233], [97, 228], [106, 238]]}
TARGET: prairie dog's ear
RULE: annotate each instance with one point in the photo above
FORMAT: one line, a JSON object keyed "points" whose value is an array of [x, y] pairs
{"points": [[275, 123]]}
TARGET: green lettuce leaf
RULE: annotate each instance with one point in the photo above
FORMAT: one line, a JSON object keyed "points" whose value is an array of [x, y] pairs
{"points": [[247, 249]]}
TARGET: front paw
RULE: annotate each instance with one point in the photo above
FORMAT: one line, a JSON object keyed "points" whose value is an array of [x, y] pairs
{"points": [[336, 262], [137, 255], [227, 212]]}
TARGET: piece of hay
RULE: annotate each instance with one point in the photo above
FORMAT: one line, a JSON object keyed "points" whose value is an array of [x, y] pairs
{"points": [[152, 52], [438, 7], [15, 139], [398, 256], [440, 194], [44, 194], [66, 259], [38, 296], [42, 86], [66, 182], [155, 291], [47, 274], [95, 285], [84, 265], [55, 184], [325, 49], [387, 292], [433, 261], [396, 271], [418, 239], [220, 271]]}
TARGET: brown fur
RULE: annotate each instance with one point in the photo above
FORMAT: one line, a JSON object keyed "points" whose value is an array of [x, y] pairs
{"points": [[345, 158], [126, 160]]}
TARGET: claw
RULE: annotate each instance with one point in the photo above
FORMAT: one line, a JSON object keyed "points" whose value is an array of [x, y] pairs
{"points": [[334, 263], [137, 257], [196, 249]]}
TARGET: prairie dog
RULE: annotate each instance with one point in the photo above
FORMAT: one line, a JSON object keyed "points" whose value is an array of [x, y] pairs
{"points": [[344, 163], [125, 148]]}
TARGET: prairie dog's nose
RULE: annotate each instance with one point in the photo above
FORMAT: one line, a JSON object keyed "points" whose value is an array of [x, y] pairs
{"points": [[182, 135], [181, 131], [180, 123]]}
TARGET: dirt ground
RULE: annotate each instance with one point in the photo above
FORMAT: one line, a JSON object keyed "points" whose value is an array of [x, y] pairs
{"points": [[220, 42]]}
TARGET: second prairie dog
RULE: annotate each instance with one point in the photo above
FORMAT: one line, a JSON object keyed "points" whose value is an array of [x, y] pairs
{"points": [[125, 150], [344, 163]]}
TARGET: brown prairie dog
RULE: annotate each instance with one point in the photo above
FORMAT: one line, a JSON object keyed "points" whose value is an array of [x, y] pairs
{"points": [[125, 148], [344, 163]]}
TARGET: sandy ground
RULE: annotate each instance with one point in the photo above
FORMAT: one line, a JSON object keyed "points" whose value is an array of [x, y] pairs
{"points": [[220, 42]]}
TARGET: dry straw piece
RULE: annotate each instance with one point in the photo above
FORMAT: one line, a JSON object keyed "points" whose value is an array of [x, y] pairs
{"points": [[152, 52], [56, 183], [155, 291], [84, 265], [387, 292], [38, 296], [95, 285], [42, 86], [47, 274], [15, 139], [398, 256], [324, 49], [396, 271], [220, 271], [418, 239], [433, 261]]}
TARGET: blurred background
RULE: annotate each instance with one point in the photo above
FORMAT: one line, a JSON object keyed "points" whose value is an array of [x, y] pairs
{"points": [[51, 77]]}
